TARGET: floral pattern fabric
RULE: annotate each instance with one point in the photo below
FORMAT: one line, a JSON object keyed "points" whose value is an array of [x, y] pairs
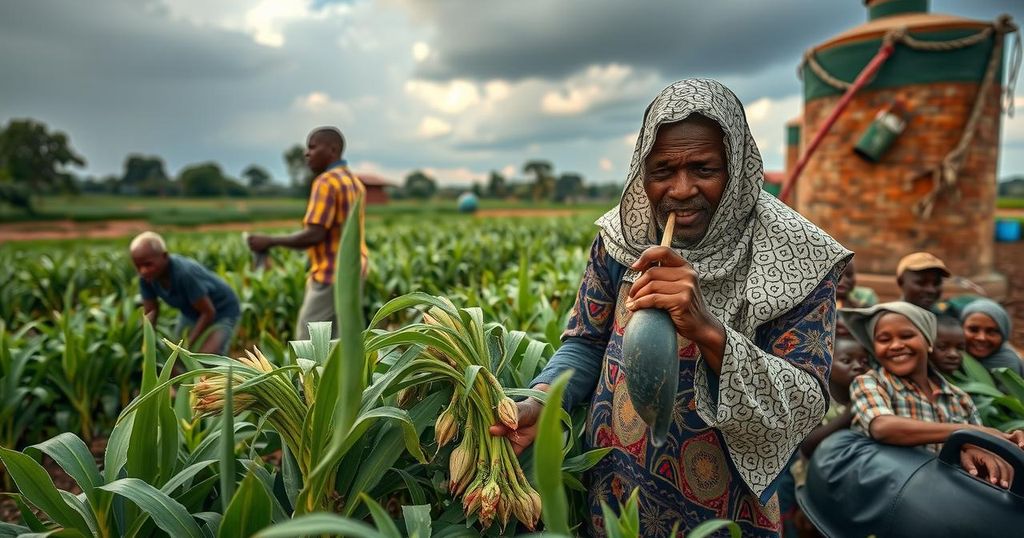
{"points": [[692, 478]]}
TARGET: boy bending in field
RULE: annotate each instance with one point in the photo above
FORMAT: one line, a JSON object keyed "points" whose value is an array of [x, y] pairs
{"points": [[903, 401], [208, 306]]}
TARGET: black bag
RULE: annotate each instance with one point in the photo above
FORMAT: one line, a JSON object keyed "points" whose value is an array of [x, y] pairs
{"points": [[857, 487]]}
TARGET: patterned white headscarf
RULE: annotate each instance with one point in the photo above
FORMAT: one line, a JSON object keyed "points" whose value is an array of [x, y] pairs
{"points": [[759, 258]]}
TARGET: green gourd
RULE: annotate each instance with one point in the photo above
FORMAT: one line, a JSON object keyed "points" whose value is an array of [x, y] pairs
{"points": [[650, 356]]}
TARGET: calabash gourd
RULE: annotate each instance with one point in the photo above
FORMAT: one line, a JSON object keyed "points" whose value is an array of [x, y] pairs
{"points": [[650, 355]]}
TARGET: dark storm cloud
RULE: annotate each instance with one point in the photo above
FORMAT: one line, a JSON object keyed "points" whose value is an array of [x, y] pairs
{"points": [[553, 39], [47, 40]]}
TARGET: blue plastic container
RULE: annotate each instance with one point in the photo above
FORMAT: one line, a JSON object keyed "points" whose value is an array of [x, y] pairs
{"points": [[1007, 230]]}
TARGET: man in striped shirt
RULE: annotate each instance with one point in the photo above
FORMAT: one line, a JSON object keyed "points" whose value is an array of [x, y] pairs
{"points": [[331, 199]]}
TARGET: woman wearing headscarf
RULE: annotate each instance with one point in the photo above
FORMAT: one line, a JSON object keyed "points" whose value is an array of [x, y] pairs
{"points": [[750, 286], [987, 334]]}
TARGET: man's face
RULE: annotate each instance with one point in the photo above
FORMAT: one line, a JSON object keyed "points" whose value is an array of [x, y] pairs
{"points": [[320, 153], [922, 288], [685, 175], [149, 263], [947, 354]]}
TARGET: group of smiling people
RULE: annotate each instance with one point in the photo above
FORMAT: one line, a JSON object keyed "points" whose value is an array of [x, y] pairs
{"points": [[907, 395], [979, 327]]}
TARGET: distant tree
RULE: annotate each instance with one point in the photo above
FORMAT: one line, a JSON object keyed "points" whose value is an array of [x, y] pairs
{"points": [[544, 179], [478, 189], [33, 161], [298, 171], [207, 179], [568, 186], [497, 186], [420, 185], [257, 176], [140, 168], [145, 175]]}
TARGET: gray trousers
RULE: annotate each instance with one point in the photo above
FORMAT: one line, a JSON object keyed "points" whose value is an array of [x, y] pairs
{"points": [[317, 305]]}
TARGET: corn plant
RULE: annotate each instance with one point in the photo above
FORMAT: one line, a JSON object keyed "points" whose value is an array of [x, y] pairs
{"points": [[22, 389], [999, 394]]}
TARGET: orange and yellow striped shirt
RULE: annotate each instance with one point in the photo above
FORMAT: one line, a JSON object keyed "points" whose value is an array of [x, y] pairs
{"points": [[331, 199]]}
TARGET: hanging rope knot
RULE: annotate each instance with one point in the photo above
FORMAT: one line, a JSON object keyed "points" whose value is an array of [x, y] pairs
{"points": [[1004, 24], [895, 35], [946, 174]]}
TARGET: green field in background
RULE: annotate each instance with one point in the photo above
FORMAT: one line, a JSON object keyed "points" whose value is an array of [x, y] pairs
{"points": [[198, 211]]}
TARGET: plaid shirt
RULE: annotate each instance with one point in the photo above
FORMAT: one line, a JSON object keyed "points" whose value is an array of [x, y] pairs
{"points": [[333, 194], [879, 393]]}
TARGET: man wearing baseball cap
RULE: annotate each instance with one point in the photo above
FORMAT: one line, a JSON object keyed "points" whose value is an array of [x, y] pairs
{"points": [[919, 276]]}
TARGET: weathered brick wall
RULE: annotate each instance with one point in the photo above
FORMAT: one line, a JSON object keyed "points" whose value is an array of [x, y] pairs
{"points": [[869, 206]]}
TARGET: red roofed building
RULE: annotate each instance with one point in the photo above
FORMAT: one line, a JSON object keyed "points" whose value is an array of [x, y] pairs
{"points": [[773, 181], [375, 185]]}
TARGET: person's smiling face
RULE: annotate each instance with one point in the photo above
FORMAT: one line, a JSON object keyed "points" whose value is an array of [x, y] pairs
{"points": [[899, 345], [982, 335]]}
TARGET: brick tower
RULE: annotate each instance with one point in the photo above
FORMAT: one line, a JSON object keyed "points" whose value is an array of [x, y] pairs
{"points": [[879, 209]]}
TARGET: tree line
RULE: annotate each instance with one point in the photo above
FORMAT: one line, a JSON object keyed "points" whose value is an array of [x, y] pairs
{"points": [[37, 161]]}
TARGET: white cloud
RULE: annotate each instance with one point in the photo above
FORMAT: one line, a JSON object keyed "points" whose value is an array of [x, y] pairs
{"points": [[767, 119], [1013, 128], [605, 164], [452, 97], [509, 170], [266, 21], [431, 127], [420, 51], [595, 85]]}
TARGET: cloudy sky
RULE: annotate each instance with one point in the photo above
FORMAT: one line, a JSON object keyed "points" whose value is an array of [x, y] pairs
{"points": [[454, 87]]}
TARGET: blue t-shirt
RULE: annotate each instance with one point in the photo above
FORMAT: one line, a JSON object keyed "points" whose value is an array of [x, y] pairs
{"points": [[190, 282]]}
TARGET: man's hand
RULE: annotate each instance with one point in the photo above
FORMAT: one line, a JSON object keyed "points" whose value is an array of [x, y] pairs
{"points": [[670, 283], [523, 436], [985, 465], [259, 243]]}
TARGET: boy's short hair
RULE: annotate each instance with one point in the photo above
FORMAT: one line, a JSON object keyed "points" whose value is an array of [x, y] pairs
{"points": [[945, 321], [150, 239]]}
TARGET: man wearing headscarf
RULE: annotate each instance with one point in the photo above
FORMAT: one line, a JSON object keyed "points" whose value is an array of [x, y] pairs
{"points": [[750, 287]]}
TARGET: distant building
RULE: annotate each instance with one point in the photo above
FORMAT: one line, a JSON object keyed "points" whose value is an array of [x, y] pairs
{"points": [[375, 188], [1013, 188], [773, 181]]}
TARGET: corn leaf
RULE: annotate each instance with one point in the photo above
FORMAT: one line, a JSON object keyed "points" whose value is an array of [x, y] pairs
{"points": [[709, 528], [77, 461], [548, 460], [249, 511], [417, 520], [339, 393], [1011, 381], [167, 513], [185, 476], [410, 300], [37, 488], [974, 371], [380, 517], [320, 523], [227, 444]]}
